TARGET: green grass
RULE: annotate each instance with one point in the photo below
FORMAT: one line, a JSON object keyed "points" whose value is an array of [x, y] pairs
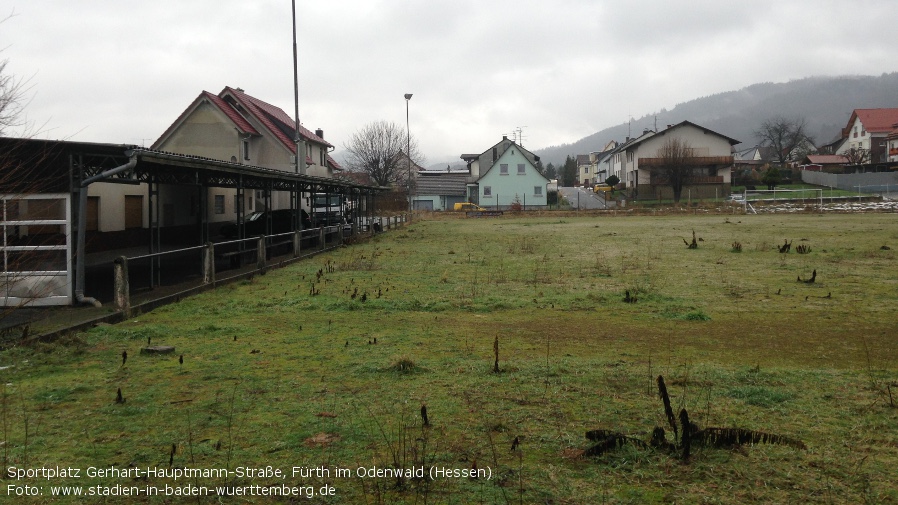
{"points": [[739, 341]]}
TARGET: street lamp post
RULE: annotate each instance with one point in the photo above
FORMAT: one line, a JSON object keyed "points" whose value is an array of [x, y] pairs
{"points": [[408, 152]]}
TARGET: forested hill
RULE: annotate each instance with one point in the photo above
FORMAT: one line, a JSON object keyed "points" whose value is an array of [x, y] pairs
{"points": [[825, 102]]}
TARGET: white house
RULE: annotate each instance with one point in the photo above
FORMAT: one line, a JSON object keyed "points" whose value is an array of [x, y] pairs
{"points": [[638, 162], [867, 130], [585, 175]]}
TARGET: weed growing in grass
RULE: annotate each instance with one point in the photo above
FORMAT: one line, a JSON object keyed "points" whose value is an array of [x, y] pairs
{"points": [[404, 365]]}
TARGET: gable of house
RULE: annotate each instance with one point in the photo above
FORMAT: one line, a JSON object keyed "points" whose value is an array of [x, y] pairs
{"points": [[512, 178], [478, 163], [705, 143], [234, 126], [874, 121], [863, 127]]}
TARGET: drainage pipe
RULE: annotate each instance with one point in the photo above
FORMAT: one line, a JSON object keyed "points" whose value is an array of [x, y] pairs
{"points": [[82, 224]]}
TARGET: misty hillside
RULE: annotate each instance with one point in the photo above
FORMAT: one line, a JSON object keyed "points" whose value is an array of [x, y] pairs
{"points": [[826, 103]]}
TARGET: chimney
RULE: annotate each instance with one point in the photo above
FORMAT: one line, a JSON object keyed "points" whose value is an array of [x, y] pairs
{"points": [[320, 133], [504, 137], [645, 131]]}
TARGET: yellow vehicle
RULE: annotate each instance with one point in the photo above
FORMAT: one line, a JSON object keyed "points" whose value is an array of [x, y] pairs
{"points": [[603, 188], [474, 210], [468, 207]]}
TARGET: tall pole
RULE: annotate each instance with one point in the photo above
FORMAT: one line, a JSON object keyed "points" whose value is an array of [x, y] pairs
{"points": [[300, 152], [408, 151]]}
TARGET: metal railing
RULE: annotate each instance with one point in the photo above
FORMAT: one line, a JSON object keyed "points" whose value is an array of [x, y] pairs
{"points": [[204, 263]]}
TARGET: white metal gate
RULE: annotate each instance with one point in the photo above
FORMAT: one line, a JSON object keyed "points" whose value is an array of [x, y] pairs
{"points": [[36, 250]]}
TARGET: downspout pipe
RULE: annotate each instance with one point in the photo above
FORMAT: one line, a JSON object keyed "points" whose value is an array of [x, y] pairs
{"points": [[82, 224]]}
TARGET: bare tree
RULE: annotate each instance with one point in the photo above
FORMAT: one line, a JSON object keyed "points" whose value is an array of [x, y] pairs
{"points": [[20, 184], [857, 156], [784, 135], [676, 164], [379, 150], [13, 90]]}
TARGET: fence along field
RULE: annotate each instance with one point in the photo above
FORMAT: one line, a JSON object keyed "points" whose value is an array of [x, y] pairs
{"points": [[501, 345]]}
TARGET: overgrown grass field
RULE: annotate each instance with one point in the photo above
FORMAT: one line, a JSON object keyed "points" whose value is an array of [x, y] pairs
{"points": [[328, 362]]}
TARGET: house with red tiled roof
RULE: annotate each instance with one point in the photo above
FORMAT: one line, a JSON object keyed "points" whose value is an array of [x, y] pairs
{"points": [[235, 127], [867, 130]]}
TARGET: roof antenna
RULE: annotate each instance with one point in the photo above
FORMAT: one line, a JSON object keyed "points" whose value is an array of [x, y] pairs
{"points": [[519, 135], [300, 147]]}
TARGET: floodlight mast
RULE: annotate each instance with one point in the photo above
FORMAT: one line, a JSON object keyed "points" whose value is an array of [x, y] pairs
{"points": [[297, 138], [408, 152]]}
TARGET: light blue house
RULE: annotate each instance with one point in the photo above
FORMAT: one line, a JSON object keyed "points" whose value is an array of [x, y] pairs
{"points": [[506, 175]]}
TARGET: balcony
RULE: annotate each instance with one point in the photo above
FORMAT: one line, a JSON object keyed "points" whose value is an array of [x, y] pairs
{"points": [[696, 161]]}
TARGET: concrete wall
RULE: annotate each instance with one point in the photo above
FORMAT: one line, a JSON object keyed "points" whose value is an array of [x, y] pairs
{"points": [[112, 204]]}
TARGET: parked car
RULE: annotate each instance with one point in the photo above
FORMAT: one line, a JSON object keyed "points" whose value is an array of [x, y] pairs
{"points": [[467, 207], [254, 224], [736, 198]]}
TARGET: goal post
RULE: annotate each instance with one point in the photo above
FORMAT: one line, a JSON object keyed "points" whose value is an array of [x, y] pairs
{"points": [[773, 196]]}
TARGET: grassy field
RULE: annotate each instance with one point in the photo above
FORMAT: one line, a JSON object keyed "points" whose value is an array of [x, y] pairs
{"points": [[326, 364]]}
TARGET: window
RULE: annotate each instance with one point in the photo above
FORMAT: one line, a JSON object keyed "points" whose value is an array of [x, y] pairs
{"points": [[503, 169], [585, 170], [629, 155], [537, 190], [487, 191], [219, 204], [246, 149], [521, 169], [322, 157]]}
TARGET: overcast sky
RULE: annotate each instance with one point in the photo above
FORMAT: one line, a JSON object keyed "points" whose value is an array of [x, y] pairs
{"points": [[122, 71]]}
